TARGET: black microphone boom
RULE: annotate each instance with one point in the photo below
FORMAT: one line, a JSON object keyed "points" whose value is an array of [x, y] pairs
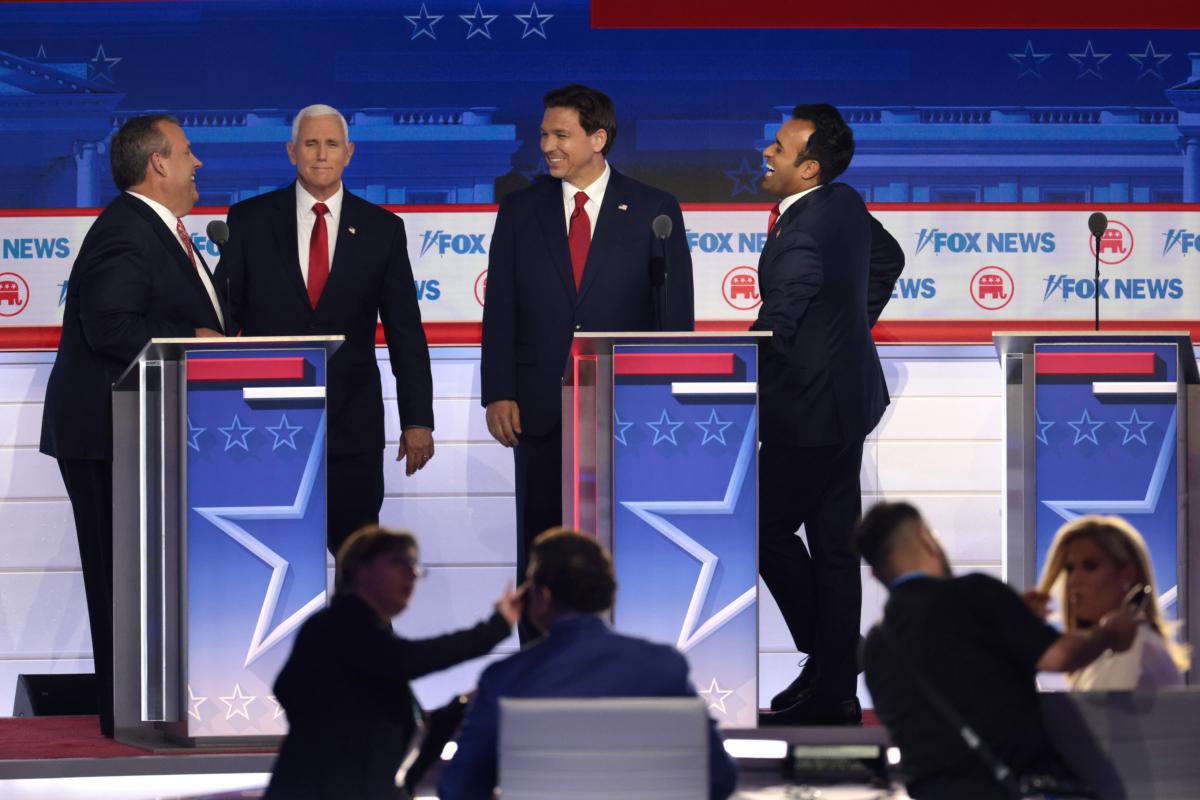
{"points": [[662, 227], [1097, 224]]}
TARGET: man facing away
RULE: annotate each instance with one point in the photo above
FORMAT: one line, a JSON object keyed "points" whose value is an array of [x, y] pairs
{"points": [[570, 584], [313, 259], [574, 252], [978, 645], [826, 271], [137, 277]]}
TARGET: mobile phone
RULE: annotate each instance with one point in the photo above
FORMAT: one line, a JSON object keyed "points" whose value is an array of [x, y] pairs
{"points": [[1138, 597]]}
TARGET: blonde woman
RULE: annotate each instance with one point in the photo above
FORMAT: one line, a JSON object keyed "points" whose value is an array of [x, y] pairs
{"points": [[1095, 565]]}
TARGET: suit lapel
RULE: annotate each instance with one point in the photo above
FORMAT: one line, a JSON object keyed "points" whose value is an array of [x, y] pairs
{"points": [[552, 219], [174, 247], [344, 251], [789, 218], [284, 226], [608, 231]]}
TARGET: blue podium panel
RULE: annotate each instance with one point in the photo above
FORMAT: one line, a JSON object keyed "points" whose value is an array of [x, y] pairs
{"points": [[685, 512], [255, 538], [1107, 425]]}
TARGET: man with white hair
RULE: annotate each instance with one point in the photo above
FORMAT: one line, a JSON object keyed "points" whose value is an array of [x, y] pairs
{"points": [[313, 259]]}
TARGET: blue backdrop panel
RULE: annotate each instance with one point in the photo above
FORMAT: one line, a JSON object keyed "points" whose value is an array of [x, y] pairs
{"points": [[255, 538], [685, 522], [1110, 453]]}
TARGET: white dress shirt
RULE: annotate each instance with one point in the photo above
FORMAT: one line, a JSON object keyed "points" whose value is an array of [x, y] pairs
{"points": [[171, 221], [595, 194], [305, 219], [787, 202]]}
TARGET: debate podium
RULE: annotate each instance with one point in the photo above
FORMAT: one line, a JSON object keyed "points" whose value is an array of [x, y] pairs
{"points": [[1103, 423], [660, 462], [218, 532]]}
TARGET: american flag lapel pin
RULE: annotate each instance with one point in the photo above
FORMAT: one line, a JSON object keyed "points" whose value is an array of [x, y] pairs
{"points": [[623, 207], [351, 230]]}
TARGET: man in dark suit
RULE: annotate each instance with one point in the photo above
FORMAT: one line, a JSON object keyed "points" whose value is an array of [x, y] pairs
{"points": [[574, 252], [570, 583], [313, 259], [136, 277], [826, 272]]}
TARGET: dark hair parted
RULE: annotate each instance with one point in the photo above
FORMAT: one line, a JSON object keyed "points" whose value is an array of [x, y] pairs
{"points": [[595, 109], [131, 147], [875, 535], [364, 546], [575, 568], [832, 143]]}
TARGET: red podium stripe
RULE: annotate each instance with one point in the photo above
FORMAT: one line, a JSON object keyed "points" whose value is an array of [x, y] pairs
{"points": [[1095, 364], [289, 368], [673, 364]]}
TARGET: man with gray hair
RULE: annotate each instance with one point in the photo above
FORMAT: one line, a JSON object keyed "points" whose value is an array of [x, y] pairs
{"points": [[313, 259], [136, 277]]}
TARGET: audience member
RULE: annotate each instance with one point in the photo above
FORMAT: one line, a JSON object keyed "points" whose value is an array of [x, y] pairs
{"points": [[1096, 564], [973, 642], [570, 584], [345, 688]]}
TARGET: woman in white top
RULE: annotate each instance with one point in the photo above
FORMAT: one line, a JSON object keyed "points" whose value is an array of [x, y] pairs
{"points": [[1095, 564]]}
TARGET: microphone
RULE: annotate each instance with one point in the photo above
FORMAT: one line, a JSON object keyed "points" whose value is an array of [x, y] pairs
{"points": [[662, 226], [218, 232], [1097, 224]]}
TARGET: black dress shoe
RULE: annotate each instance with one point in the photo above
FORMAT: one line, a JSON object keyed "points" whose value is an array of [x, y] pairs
{"points": [[798, 690], [816, 711]]}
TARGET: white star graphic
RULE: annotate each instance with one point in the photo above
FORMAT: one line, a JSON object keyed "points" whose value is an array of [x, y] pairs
{"points": [[194, 434], [534, 22], [1090, 434], [1042, 428], [222, 517], [238, 699], [1089, 61], [284, 434], [1134, 421], [423, 23], [278, 708], [663, 422], [1029, 61], [479, 22], [620, 428], [235, 434], [692, 632], [100, 67], [717, 435], [716, 696], [1150, 62], [194, 703]]}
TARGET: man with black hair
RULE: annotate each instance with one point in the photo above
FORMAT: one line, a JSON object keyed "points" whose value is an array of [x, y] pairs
{"points": [[137, 277], [972, 640], [574, 252], [570, 583], [825, 274]]}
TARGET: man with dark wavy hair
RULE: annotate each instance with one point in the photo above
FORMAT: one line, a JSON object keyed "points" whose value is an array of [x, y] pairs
{"points": [[570, 584], [825, 273], [574, 252]]}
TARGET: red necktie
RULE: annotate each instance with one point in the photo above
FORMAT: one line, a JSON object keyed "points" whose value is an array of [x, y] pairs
{"points": [[318, 255], [579, 237], [773, 219], [187, 241]]}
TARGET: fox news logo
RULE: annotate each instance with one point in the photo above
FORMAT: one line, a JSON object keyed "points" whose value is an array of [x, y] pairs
{"points": [[44, 247], [428, 289], [1180, 238], [724, 242], [914, 289], [461, 244], [975, 242], [1065, 287]]}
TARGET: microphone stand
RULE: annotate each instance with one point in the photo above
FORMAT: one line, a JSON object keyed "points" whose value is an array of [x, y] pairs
{"points": [[658, 288], [1096, 283]]}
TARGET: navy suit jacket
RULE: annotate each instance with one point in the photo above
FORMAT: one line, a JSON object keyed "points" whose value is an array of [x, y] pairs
{"points": [[532, 308], [825, 274], [131, 282], [370, 279], [579, 657]]}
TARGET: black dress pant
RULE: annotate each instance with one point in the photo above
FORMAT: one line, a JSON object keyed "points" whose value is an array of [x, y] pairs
{"points": [[89, 485], [538, 471], [818, 588], [354, 494]]}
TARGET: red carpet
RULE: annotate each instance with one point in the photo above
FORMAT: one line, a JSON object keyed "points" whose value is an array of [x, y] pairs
{"points": [[77, 737]]}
